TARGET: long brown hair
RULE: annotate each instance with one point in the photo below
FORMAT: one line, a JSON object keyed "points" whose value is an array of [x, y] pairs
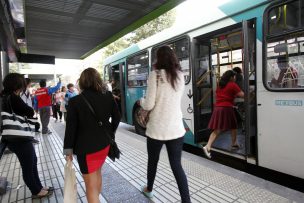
{"points": [[91, 79], [166, 59]]}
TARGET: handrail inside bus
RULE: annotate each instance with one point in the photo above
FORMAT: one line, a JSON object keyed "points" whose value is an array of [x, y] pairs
{"points": [[202, 78], [204, 97]]}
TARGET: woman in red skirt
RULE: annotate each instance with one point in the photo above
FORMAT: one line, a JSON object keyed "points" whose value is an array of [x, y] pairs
{"points": [[83, 136], [223, 117]]}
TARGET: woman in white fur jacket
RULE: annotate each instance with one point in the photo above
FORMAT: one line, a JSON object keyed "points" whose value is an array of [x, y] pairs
{"points": [[165, 125]]}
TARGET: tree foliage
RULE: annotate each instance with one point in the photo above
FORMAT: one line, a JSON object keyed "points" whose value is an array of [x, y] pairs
{"points": [[116, 46], [157, 25], [151, 28]]}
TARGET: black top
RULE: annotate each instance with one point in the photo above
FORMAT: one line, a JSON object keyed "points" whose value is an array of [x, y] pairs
{"points": [[82, 133], [19, 107], [239, 81]]}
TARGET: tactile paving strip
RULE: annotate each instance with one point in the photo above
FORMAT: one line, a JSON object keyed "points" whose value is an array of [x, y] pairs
{"points": [[205, 184]]}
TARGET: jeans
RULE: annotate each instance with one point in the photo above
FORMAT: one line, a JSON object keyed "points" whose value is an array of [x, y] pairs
{"points": [[174, 149], [26, 155], [45, 113]]}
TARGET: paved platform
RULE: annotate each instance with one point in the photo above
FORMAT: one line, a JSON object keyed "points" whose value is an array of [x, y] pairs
{"points": [[208, 181]]}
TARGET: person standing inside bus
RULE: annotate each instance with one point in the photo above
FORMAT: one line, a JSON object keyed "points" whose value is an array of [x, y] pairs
{"points": [[84, 136], [165, 125], [43, 103], [288, 76], [223, 117], [239, 79]]}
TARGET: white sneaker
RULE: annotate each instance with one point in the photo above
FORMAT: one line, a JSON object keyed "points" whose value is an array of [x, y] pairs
{"points": [[206, 152]]}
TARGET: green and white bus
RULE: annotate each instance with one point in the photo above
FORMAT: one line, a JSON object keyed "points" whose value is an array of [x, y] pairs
{"points": [[252, 35]]}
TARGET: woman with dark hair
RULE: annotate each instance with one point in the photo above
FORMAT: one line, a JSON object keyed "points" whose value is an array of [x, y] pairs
{"points": [[223, 117], [165, 125], [14, 84], [239, 79], [83, 135]]}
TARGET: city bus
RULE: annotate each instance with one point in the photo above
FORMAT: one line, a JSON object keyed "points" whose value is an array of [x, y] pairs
{"points": [[265, 39]]}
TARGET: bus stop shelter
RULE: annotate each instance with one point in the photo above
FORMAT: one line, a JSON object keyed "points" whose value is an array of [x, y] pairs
{"points": [[40, 31]]}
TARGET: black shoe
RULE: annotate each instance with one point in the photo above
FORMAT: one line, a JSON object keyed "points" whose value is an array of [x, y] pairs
{"points": [[42, 196], [35, 141], [47, 133], [50, 189]]}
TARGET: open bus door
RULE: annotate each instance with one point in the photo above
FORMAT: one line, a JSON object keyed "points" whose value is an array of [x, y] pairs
{"points": [[202, 87], [118, 87], [249, 71], [215, 53], [123, 90]]}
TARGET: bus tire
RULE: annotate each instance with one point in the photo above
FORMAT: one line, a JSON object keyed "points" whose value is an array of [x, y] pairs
{"points": [[138, 128]]}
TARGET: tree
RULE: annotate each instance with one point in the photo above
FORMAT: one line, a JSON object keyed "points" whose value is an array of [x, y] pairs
{"points": [[13, 68], [115, 47], [157, 25], [151, 28]]}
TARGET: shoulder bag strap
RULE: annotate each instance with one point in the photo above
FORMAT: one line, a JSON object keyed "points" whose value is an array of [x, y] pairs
{"points": [[99, 122], [10, 104]]}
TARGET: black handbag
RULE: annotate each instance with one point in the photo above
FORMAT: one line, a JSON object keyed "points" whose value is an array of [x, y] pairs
{"points": [[114, 152]]}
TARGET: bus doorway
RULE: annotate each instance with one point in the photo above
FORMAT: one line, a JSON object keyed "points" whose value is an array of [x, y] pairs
{"points": [[118, 87], [215, 53]]}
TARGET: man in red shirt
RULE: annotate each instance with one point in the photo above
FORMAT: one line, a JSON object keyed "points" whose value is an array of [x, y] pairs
{"points": [[43, 103]]}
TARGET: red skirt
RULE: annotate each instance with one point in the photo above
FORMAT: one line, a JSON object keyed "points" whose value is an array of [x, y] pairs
{"points": [[89, 163], [223, 118]]}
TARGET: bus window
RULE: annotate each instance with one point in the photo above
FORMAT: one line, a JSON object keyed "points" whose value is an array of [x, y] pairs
{"points": [[285, 63], [137, 70], [285, 17], [226, 52], [284, 57], [181, 49], [284, 47]]}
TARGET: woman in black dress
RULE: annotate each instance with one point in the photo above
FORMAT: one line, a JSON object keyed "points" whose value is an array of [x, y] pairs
{"points": [[83, 136]]}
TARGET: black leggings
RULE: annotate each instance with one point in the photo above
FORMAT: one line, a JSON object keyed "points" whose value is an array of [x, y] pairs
{"points": [[56, 110], [26, 155], [174, 149]]}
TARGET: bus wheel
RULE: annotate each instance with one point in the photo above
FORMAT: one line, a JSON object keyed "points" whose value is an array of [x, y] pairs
{"points": [[138, 128]]}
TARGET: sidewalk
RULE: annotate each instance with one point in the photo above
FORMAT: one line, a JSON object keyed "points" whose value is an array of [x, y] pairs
{"points": [[51, 172], [208, 181]]}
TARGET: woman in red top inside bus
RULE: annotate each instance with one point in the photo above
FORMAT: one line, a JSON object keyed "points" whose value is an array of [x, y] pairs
{"points": [[223, 117]]}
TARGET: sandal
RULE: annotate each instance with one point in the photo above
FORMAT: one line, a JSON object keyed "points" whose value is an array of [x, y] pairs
{"points": [[42, 196], [236, 147], [206, 151]]}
